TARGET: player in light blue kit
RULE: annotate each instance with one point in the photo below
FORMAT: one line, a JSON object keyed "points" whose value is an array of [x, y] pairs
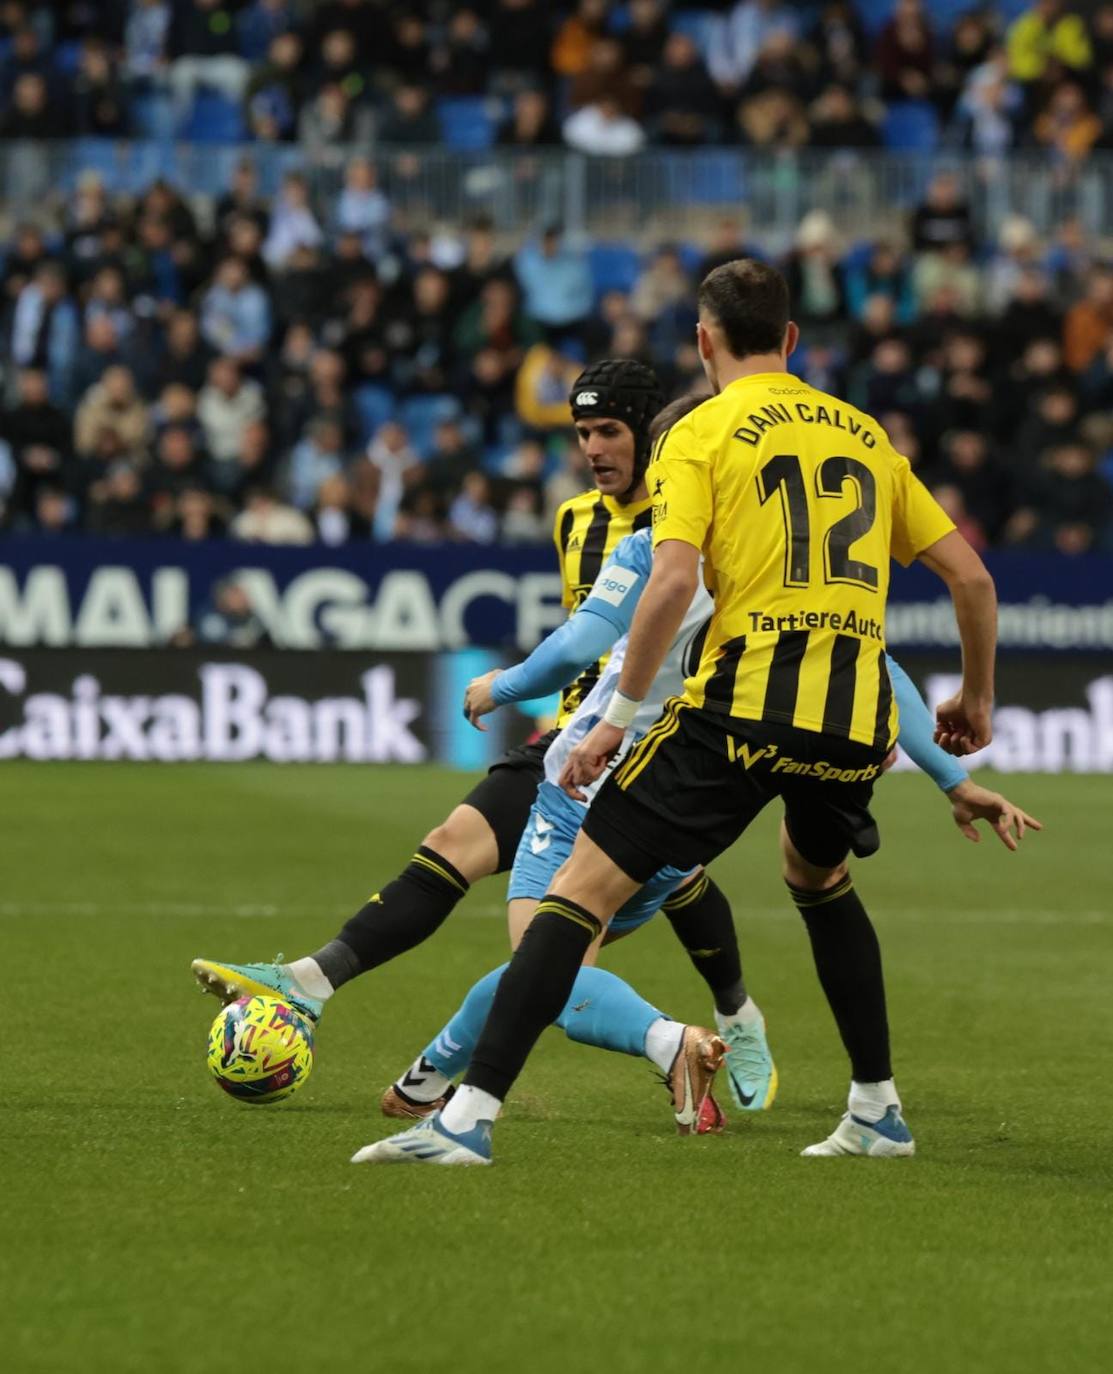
{"points": [[602, 1009]]}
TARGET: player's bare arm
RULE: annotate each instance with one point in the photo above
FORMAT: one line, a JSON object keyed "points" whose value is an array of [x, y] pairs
{"points": [[965, 721], [478, 700], [971, 802], [667, 596]]}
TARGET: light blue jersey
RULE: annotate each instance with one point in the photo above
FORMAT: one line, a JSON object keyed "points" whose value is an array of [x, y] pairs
{"points": [[555, 819]]}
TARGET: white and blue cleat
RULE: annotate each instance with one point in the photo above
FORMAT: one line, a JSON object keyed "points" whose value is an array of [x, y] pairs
{"points": [[232, 981], [888, 1138], [749, 1066], [430, 1142]]}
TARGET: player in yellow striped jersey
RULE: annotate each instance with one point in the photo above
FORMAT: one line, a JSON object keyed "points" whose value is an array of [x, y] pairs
{"points": [[792, 502], [588, 527]]}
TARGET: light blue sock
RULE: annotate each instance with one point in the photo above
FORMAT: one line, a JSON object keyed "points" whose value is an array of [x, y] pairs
{"points": [[602, 1011], [451, 1050], [605, 1011]]}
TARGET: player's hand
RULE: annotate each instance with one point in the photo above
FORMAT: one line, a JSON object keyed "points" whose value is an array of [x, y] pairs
{"points": [[963, 725], [478, 700], [971, 802], [590, 758]]}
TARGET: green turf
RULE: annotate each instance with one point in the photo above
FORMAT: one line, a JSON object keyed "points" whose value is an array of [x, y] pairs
{"points": [[151, 1224]]}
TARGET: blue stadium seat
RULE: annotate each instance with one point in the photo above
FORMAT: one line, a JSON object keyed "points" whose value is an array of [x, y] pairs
{"points": [[494, 459], [942, 14], [123, 167], [705, 177], [911, 126], [618, 20], [697, 24], [99, 155], [152, 115], [692, 256], [858, 255], [422, 414], [614, 267], [510, 430], [150, 161], [466, 122], [214, 119], [874, 14], [67, 58], [374, 406]]}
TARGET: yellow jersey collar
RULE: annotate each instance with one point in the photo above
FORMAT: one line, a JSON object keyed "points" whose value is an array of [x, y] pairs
{"points": [[763, 377], [617, 507]]}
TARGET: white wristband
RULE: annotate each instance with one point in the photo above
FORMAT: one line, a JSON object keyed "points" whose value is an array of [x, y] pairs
{"points": [[621, 711]]}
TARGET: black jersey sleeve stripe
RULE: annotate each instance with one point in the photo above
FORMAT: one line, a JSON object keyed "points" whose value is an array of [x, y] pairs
{"points": [[595, 543], [881, 739], [718, 695], [694, 652], [643, 519], [567, 520], [838, 709], [782, 686]]}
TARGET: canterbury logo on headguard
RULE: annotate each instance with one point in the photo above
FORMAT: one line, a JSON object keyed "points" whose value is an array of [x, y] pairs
{"points": [[587, 398]]}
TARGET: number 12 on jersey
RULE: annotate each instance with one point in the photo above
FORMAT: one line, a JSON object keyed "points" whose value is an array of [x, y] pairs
{"points": [[783, 476]]}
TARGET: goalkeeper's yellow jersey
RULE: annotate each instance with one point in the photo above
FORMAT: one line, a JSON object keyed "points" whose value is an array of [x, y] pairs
{"points": [[796, 500]]}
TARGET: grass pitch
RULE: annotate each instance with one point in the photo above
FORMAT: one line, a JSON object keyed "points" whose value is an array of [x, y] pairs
{"points": [[150, 1223]]}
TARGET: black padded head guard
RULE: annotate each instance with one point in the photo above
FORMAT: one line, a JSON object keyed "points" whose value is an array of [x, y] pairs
{"points": [[620, 389]]}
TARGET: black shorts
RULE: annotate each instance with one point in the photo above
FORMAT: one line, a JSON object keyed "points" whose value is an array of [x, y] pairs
{"points": [[507, 793], [687, 791]]}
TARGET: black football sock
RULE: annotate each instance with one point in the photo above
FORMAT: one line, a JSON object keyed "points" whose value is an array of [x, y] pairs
{"points": [[531, 993], [848, 962], [701, 917], [406, 912]]}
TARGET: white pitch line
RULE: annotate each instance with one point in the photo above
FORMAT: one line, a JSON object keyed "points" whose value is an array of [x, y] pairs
{"points": [[158, 910], [267, 911]]}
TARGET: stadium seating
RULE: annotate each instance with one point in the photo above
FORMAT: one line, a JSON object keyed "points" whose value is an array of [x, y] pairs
{"points": [[422, 414], [214, 119], [911, 126], [618, 212], [697, 24], [942, 13], [709, 177], [152, 115], [467, 123], [614, 267], [374, 406]]}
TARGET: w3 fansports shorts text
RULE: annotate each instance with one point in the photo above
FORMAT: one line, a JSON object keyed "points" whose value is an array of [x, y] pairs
{"points": [[697, 779]]}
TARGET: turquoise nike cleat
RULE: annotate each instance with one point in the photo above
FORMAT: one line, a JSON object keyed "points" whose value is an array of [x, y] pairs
{"points": [[429, 1142], [231, 981], [750, 1069], [888, 1138]]}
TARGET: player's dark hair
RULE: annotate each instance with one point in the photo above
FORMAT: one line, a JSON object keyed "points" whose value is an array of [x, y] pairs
{"points": [[748, 300], [668, 415]]}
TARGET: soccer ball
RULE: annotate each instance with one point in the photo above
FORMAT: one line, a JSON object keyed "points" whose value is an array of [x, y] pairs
{"points": [[260, 1049]]}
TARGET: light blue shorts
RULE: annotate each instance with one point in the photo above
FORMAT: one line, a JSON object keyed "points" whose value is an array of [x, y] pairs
{"points": [[547, 841]]}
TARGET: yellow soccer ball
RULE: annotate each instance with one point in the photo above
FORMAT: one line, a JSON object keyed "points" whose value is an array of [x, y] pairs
{"points": [[260, 1049]]}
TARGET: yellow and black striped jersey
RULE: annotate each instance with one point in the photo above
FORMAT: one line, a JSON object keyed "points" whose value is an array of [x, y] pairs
{"points": [[797, 501], [586, 530]]}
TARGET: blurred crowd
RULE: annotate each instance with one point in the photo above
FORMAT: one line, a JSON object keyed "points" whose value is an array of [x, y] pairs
{"points": [[302, 367], [292, 371], [597, 75]]}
